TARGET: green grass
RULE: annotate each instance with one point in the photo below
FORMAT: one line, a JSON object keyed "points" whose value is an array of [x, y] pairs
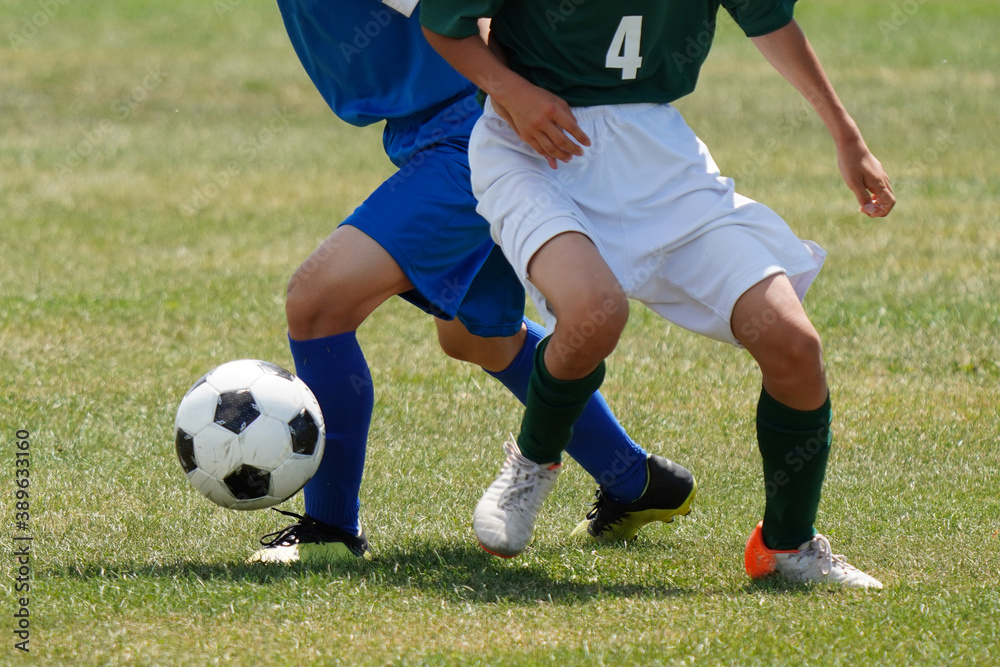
{"points": [[165, 166]]}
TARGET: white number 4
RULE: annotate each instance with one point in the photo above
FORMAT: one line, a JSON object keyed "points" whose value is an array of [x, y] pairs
{"points": [[623, 53]]}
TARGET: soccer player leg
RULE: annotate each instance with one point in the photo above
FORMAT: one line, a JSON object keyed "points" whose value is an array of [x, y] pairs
{"points": [[490, 331], [793, 414], [794, 436], [564, 377], [493, 354], [342, 282], [635, 488], [590, 311]]}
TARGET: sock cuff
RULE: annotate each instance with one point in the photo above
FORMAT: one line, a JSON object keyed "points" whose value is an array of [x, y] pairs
{"points": [[535, 333], [563, 392], [778, 425], [780, 416], [322, 347]]}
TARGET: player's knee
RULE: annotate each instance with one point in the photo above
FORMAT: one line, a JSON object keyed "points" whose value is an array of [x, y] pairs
{"points": [[806, 348], [597, 316], [589, 330], [800, 359], [315, 309], [459, 349], [301, 311]]}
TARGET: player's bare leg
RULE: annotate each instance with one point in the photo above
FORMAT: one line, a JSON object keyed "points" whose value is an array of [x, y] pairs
{"points": [[591, 311], [793, 433], [340, 284], [493, 354], [334, 290], [590, 305], [772, 325]]}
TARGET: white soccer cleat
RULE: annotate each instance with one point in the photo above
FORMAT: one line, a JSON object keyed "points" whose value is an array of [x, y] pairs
{"points": [[814, 561], [505, 515]]}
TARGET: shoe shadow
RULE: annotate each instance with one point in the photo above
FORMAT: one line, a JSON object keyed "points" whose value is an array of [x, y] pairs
{"points": [[469, 574], [457, 573], [775, 585]]}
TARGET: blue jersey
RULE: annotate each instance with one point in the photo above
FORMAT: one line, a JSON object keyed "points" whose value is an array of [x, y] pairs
{"points": [[370, 62]]}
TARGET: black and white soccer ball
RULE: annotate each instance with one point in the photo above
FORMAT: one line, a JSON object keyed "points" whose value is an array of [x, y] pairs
{"points": [[249, 434]]}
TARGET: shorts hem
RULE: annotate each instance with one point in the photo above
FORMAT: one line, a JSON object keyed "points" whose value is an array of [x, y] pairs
{"points": [[418, 295], [542, 234], [492, 330]]}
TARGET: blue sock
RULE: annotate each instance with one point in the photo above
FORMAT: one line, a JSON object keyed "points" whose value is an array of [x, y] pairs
{"points": [[599, 443], [336, 371]]}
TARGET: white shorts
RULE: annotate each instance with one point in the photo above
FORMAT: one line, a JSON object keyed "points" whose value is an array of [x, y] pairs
{"points": [[649, 195]]}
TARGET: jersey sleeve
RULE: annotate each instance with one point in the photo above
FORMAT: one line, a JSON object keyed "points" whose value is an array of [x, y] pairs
{"points": [[456, 18], [760, 17]]}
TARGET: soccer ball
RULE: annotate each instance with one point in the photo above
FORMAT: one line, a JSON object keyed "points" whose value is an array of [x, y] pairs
{"points": [[249, 434]]}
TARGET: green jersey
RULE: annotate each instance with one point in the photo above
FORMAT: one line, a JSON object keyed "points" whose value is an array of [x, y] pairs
{"points": [[593, 52]]}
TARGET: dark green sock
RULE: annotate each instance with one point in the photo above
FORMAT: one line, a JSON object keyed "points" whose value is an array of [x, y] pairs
{"points": [[551, 408], [795, 445]]}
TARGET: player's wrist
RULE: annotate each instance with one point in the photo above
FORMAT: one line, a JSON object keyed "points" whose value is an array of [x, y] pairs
{"points": [[842, 127], [507, 88]]}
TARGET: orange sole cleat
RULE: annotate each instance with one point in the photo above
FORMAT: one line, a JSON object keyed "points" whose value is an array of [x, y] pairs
{"points": [[758, 560]]}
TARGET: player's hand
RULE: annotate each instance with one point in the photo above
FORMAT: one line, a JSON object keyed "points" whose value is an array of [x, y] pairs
{"points": [[545, 122], [866, 178]]}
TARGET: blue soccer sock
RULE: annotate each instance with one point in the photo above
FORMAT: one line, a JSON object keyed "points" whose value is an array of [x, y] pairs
{"points": [[336, 371], [599, 443]]}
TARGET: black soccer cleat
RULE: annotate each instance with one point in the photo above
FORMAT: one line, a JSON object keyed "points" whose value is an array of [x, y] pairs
{"points": [[310, 541], [670, 491]]}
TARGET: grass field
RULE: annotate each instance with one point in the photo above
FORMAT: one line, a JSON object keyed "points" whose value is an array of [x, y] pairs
{"points": [[164, 166]]}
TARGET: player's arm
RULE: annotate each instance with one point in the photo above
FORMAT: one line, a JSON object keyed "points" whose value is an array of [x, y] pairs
{"points": [[788, 50], [543, 120]]}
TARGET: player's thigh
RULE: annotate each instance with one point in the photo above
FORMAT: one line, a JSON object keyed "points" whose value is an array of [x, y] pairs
{"points": [[767, 312], [770, 322], [340, 284]]}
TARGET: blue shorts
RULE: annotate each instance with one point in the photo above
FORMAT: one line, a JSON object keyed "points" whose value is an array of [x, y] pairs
{"points": [[425, 217]]}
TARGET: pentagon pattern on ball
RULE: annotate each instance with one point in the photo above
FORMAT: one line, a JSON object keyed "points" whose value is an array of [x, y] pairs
{"points": [[248, 483], [236, 410], [185, 450], [305, 433]]}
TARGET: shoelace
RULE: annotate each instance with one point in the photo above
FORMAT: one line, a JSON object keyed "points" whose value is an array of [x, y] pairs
{"points": [[525, 479], [289, 535], [598, 504], [821, 552]]}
